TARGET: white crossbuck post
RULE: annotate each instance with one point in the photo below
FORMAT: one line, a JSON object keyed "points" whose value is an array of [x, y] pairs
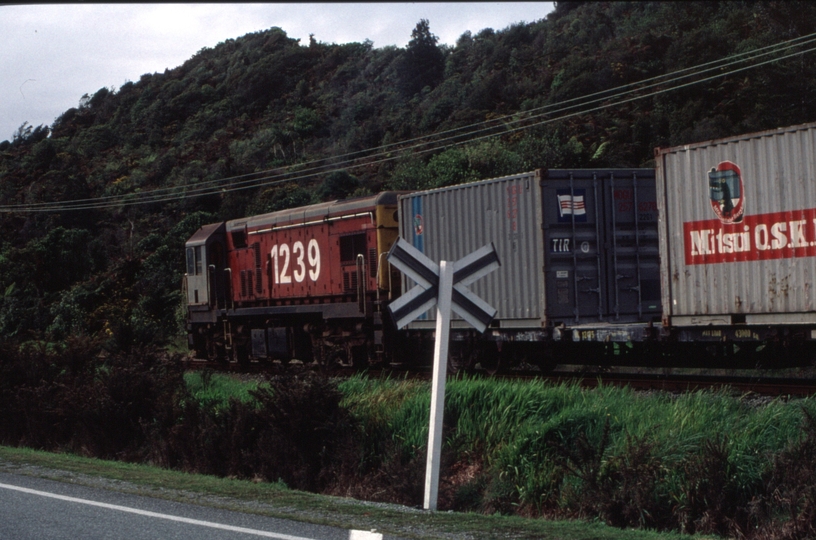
{"points": [[445, 286], [440, 369]]}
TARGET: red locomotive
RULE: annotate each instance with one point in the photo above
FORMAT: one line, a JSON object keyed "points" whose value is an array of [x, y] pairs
{"points": [[301, 283]]}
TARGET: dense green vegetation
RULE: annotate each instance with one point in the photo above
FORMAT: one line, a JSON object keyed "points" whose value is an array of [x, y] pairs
{"points": [[701, 462], [264, 102]]}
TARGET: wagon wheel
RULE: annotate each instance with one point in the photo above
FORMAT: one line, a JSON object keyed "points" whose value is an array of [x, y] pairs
{"points": [[216, 351], [462, 358], [489, 359], [545, 359]]}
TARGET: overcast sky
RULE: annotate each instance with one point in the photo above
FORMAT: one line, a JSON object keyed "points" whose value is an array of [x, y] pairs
{"points": [[50, 55]]}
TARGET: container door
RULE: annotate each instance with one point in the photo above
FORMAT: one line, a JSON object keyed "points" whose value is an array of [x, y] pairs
{"points": [[574, 267], [632, 256]]}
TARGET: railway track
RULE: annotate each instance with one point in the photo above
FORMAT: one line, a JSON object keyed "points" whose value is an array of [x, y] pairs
{"points": [[795, 383]]}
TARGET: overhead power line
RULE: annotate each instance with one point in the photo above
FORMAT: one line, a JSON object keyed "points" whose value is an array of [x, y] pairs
{"points": [[449, 138]]}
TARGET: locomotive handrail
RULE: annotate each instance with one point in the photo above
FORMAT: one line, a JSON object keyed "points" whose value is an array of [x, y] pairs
{"points": [[361, 303], [313, 222], [229, 292], [380, 267], [212, 288]]}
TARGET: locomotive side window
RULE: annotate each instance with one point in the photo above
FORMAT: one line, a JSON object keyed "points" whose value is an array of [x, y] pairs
{"points": [[239, 239], [199, 265], [351, 246], [190, 261]]}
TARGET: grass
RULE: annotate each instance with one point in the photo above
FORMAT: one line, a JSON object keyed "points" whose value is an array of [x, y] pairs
{"points": [[692, 462], [540, 443], [513, 425], [283, 503], [216, 389], [709, 462]]}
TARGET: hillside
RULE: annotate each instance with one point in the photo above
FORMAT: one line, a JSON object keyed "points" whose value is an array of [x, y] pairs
{"points": [[279, 120]]}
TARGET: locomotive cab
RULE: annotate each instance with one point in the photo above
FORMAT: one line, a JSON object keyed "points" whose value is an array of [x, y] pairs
{"points": [[206, 260]]}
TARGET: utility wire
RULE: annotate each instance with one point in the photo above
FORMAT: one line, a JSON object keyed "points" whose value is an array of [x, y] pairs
{"points": [[321, 164], [252, 179], [255, 183], [423, 145]]}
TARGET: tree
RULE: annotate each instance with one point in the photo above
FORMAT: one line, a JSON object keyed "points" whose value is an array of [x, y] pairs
{"points": [[423, 63], [28, 135], [338, 185]]}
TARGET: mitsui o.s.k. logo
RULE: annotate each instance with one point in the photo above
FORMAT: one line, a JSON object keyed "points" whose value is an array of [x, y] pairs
{"points": [[726, 192], [736, 236]]}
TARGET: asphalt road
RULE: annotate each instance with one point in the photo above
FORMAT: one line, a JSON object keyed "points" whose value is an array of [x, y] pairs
{"points": [[37, 508]]}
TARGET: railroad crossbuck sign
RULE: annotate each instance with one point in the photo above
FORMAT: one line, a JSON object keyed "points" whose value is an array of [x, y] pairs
{"points": [[414, 264], [446, 286]]}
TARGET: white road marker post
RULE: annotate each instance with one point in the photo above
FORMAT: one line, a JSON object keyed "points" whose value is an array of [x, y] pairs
{"points": [[440, 370]]}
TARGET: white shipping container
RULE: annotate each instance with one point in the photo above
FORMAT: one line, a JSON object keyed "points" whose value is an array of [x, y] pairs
{"points": [[737, 229], [449, 223]]}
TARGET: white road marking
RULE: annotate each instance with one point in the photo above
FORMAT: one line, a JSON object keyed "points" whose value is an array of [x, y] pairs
{"points": [[353, 535], [364, 535]]}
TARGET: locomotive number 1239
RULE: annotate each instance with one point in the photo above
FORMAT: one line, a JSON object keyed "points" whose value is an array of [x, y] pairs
{"points": [[298, 257]]}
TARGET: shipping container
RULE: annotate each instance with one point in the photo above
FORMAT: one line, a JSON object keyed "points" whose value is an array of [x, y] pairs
{"points": [[576, 246], [601, 246], [738, 229], [449, 223]]}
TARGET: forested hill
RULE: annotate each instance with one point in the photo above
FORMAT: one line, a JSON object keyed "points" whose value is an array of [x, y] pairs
{"points": [[265, 103]]}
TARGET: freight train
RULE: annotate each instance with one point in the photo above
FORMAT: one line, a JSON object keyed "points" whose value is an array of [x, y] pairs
{"points": [[706, 260]]}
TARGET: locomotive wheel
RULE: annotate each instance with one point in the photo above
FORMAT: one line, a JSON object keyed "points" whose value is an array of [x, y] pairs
{"points": [[240, 353], [338, 357], [218, 353], [215, 350]]}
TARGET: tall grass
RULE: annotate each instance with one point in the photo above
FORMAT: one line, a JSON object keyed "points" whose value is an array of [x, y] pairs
{"points": [[215, 390], [693, 461]]}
